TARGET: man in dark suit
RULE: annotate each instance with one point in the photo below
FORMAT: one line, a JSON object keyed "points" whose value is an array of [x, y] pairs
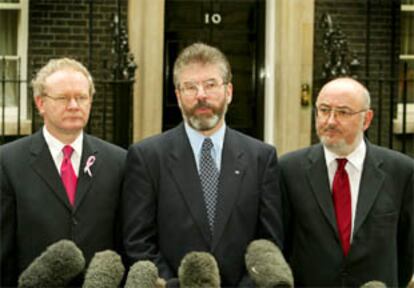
{"points": [[348, 223], [39, 203], [180, 196]]}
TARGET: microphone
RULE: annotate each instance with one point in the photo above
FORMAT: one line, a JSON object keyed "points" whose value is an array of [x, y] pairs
{"points": [[411, 283], [267, 266], [55, 267], [173, 283], [374, 284], [105, 270], [144, 274], [199, 269]]}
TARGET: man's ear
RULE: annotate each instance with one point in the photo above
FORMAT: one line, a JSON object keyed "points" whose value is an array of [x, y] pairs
{"points": [[178, 95], [368, 118], [39, 101], [229, 93]]}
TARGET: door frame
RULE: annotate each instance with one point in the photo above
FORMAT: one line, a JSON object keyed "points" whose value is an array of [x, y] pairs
{"points": [[288, 62]]}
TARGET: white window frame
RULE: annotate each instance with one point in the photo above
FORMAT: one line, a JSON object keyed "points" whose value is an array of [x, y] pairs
{"points": [[409, 117], [11, 113]]}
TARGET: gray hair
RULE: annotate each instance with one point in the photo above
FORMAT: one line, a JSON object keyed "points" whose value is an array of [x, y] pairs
{"points": [[203, 54], [54, 65]]}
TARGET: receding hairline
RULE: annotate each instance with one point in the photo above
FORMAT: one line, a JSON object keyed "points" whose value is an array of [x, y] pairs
{"points": [[60, 64], [358, 87]]}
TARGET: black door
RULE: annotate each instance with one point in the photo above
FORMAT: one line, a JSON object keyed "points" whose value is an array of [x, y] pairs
{"points": [[236, 27]]}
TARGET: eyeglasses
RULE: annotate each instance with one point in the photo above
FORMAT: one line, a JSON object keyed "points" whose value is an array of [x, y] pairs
{"points": [[81, 100], [339, 114], [191, 89]]}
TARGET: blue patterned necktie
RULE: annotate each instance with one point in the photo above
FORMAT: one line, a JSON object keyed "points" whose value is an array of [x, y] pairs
{"points": [[209, 175]]}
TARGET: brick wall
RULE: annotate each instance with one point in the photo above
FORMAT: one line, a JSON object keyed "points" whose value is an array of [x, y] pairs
{"points": [[60, 28], [372, 29]]}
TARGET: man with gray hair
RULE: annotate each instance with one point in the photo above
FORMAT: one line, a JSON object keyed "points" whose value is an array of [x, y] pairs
{"points": [[58, 183], [349, 203], [201, 186]]}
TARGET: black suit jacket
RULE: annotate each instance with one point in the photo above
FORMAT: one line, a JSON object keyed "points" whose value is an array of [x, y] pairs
{"points": [[164, 211], [382, 246], [35, 211]]}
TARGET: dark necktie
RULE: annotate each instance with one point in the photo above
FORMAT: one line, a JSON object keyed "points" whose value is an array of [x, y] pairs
{"points": [[342, 201], [209, 180], [67, 173]]}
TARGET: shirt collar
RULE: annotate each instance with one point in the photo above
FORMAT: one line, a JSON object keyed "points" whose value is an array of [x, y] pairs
{"points": [[56, 146], [356, 158], [196, 138]]}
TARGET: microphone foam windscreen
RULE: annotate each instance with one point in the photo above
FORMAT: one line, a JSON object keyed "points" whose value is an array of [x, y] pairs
{"points": [[266, 265], [374, 284], [55, 267], [199, 269], [143, 274], [105, 270], [172, 283], [411, 284]]}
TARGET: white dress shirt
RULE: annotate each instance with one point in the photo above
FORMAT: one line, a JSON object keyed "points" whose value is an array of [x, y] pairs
{"points": [[55, 148], [353, 168]]}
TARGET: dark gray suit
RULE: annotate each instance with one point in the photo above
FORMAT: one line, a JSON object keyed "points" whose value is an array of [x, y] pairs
{"points": [[35, 211], [164, 211], [383, 241]]}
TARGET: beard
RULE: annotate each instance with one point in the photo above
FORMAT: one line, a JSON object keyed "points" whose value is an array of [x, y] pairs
{"points": [[204, 122], [339, 147]]}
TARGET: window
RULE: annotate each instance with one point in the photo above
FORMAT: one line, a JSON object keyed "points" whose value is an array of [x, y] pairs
{"points": [[407, 45], [14, 102], [406, 87]]}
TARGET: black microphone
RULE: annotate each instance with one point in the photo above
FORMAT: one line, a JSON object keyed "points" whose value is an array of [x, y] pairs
{"points": [[199, 269], [144, 274], [55, 267], [105, 270], [374, 284], [173, 283], [267, 266]]}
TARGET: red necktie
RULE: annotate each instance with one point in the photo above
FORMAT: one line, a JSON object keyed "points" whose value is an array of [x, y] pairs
{"points": [[68, 175], [342, 201]]}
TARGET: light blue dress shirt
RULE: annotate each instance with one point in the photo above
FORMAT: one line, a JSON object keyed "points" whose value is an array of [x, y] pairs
{"points": [[196, 141]]}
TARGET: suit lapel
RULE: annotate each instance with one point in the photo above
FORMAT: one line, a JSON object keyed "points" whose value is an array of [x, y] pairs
{"points": [[318, 177], [231, 175], [84, 179], [183, 168], [371, 181], [43, 164]]}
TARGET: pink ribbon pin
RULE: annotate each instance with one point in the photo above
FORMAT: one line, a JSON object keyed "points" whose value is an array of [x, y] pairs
{"points": [[89, 164]]}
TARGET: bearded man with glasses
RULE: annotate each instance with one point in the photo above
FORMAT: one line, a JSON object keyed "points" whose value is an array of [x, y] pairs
{"points": [[348, 203], [201, 186], [59, 183]]}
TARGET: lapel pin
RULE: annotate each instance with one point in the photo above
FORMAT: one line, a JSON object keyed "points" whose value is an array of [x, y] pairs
{"points": [[237, 172], [89, 163]]}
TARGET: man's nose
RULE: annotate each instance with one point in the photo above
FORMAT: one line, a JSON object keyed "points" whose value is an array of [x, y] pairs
{"points": [[73, 103], [201, 93]]}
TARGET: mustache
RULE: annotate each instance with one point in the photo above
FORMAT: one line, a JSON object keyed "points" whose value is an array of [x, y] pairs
{"points": [[202, 104], [330, 128]]}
